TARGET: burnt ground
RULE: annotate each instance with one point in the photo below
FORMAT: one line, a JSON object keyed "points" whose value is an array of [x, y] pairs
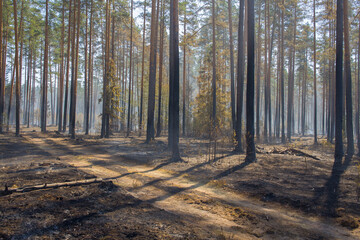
{"points": [[288, 193]]}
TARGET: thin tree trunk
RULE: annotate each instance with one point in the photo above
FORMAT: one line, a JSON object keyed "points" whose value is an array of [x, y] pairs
{"points": [[161, 60], [130, 71], [89, 86], [258, 74], [357, 118], [68, 66], [32, 116], [142, 74], [184, 76], [61, 98], [291, 80], [86, 76], [2, 79], [315, 81], [232, 68], [213, 116], [17, 71], [11, 96], [282, 77]]}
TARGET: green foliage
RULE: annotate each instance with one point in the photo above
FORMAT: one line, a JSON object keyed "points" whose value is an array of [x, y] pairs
{"points": [[203, 101], [113, 91]]}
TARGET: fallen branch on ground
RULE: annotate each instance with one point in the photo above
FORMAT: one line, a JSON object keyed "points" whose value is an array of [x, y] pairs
{"points": [[9, 191], [293, 151]]}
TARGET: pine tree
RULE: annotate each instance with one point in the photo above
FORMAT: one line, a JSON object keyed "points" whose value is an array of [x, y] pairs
{"points": [[240, 79], [348, 83], [174, 77], [150, 131], [250, 106], [339, 152]]}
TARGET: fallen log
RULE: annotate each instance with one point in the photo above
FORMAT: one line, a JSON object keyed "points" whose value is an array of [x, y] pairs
{"points": [[293, 151], [9, 191]]}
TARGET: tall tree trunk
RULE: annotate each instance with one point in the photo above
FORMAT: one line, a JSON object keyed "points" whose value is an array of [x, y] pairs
{"points": [[51, 90], [174, 77], [339, 152], [269, 72], [131, 65], [45, 72], [315, 81], [258, 74], [184, 76], [357, 118], [161, 60], [68, 65], [17, 70], [11, 96], [250, 131], [213, 116], [240, 79], [32, 115], [61, 84], [348, 83], [282, 81], [86, 76], [105, 104], [232, 68], [292, 80], [142, 74], [89, 86], [2, 80], [150, 131], [74, 71]]}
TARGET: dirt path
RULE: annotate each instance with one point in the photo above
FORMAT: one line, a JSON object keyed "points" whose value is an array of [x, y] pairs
{"points": [[223, 212]]}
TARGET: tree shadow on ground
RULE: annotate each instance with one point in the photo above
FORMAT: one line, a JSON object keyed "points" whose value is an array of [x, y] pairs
{"points": [[178, 190], [331, 189]]}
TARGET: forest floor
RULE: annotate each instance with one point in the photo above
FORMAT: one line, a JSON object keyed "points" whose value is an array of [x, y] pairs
{"points": [[285, 194]]}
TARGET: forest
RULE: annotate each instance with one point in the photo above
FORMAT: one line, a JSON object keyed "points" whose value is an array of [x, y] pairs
{"points": [[179, 119]]}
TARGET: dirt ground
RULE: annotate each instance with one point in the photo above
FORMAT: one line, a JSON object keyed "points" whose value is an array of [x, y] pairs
{"points": [[285, 194]]}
